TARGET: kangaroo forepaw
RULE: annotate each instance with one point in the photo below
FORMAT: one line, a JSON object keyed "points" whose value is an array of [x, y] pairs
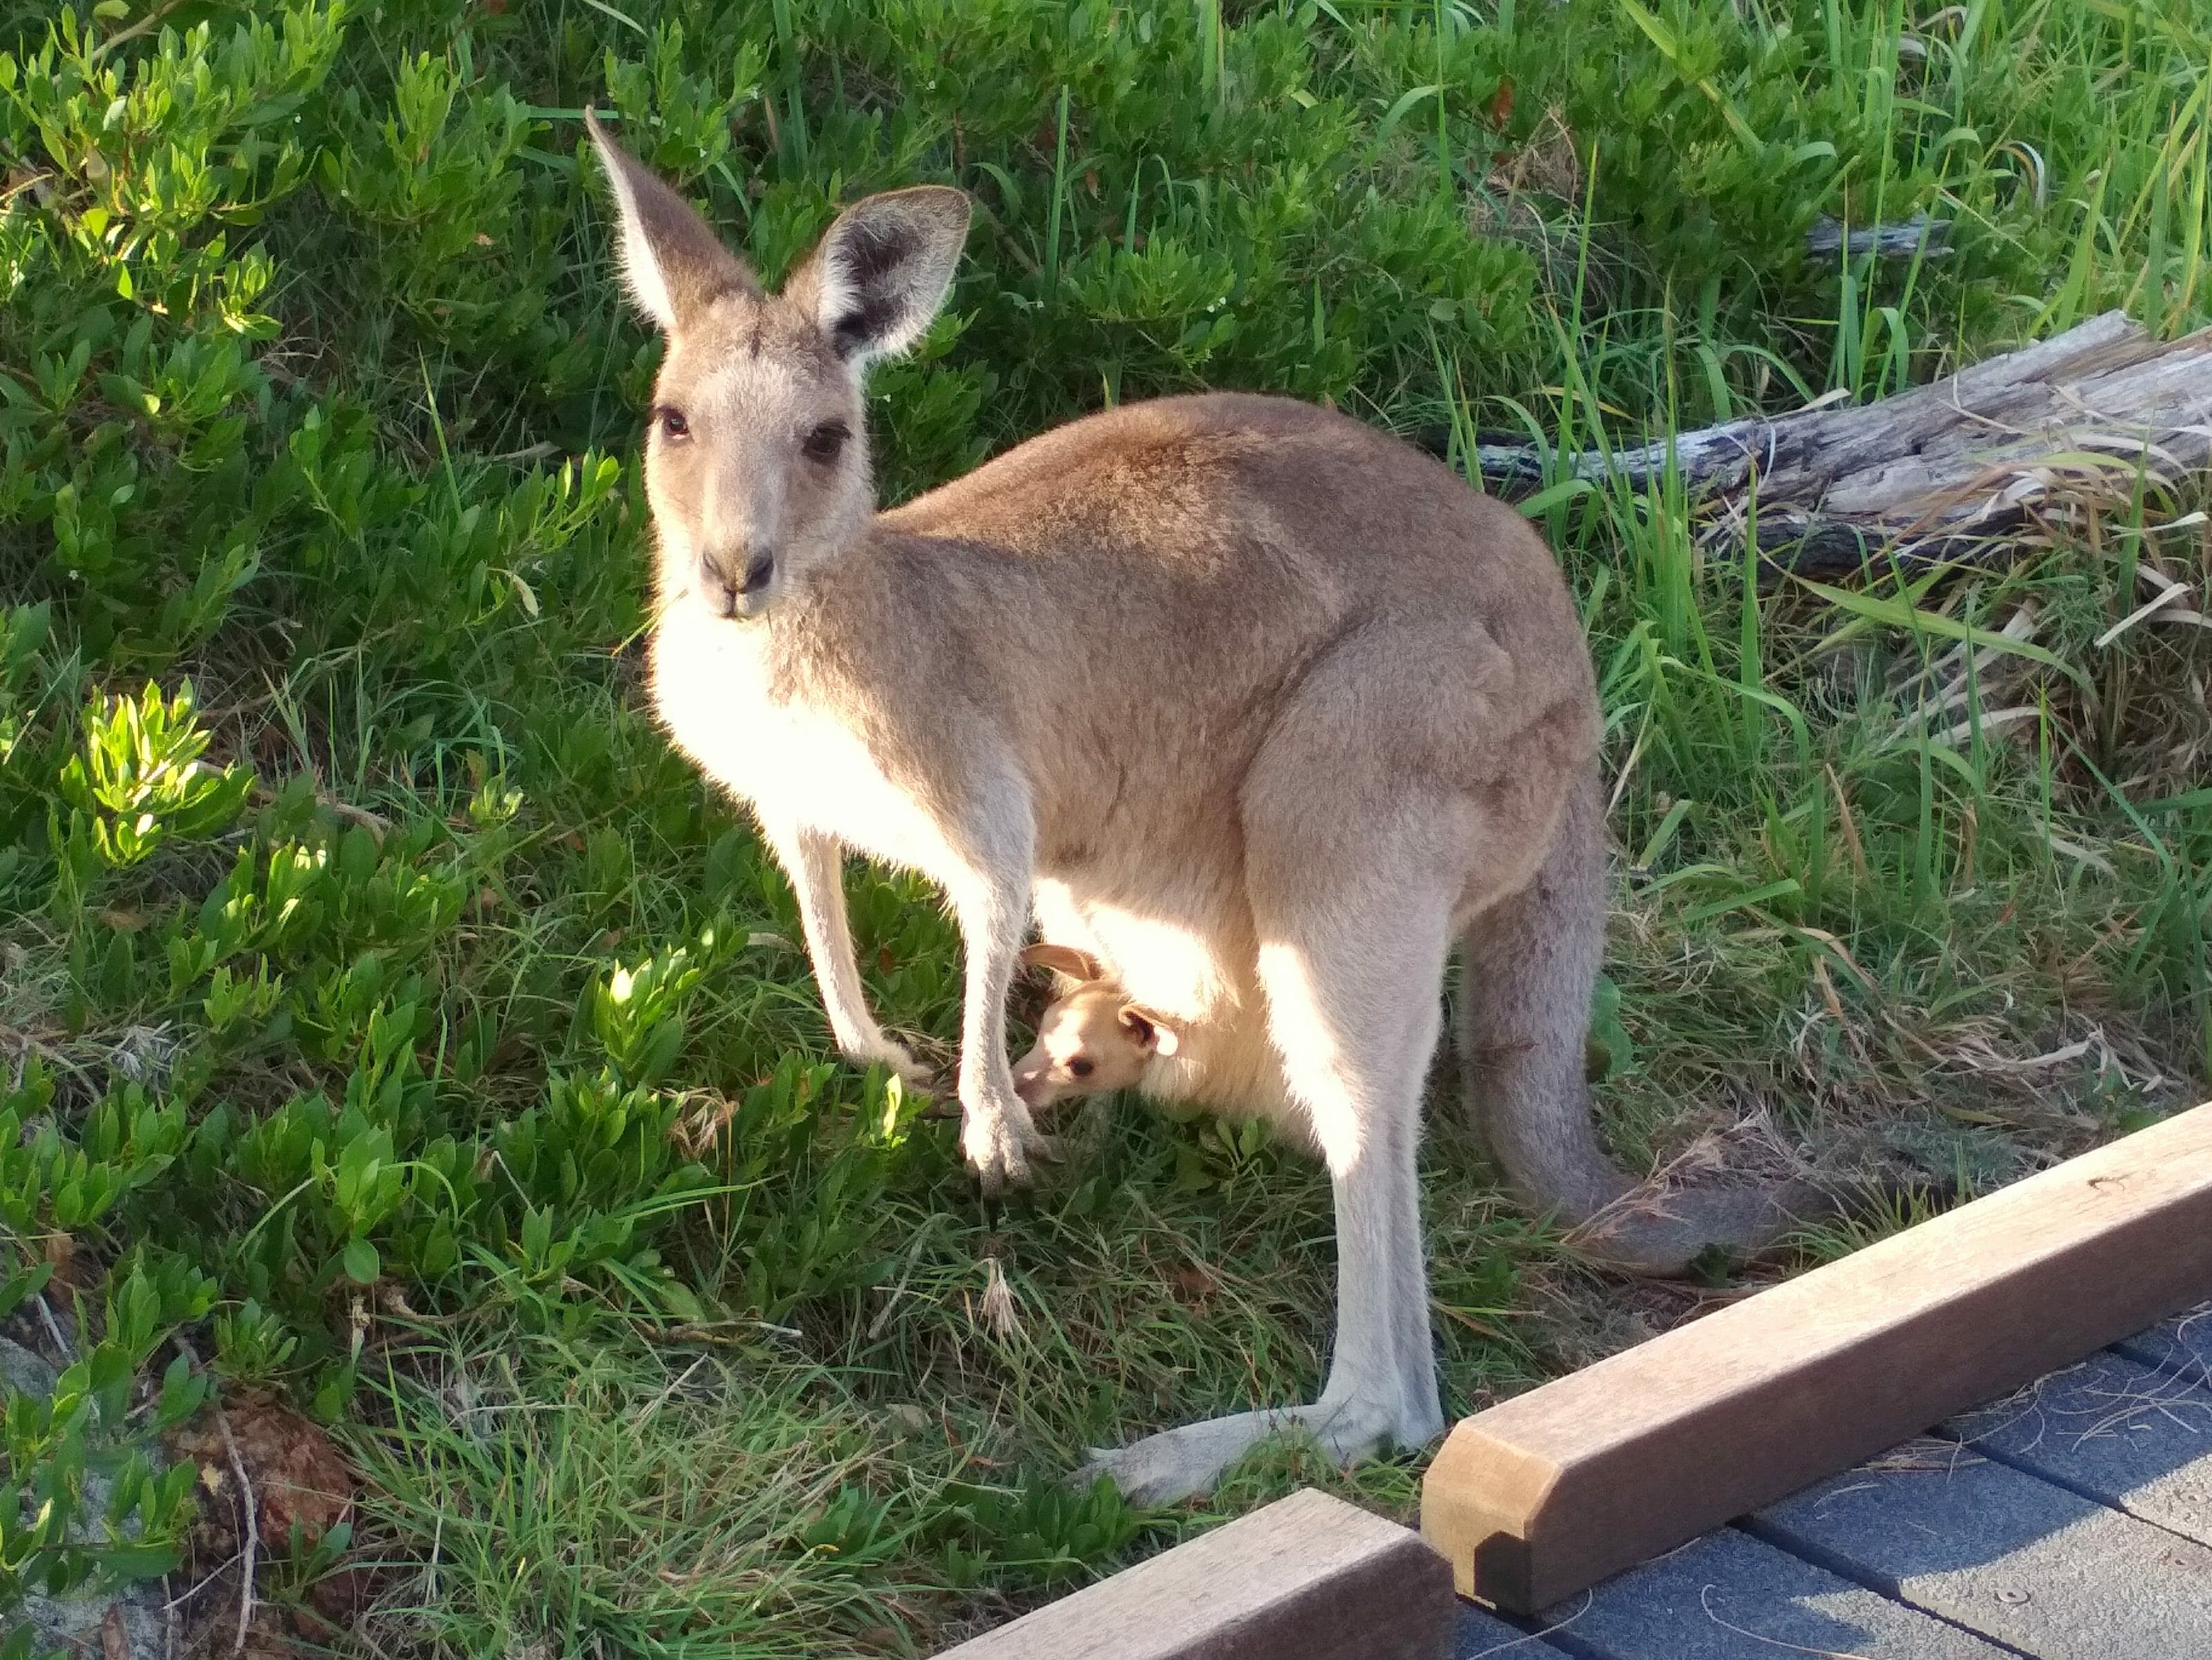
{"points": [[896, 1057], [1001, 1142]]}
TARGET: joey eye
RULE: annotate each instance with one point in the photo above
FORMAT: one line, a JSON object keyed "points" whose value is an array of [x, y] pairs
{"points": [[672, 420], [1080, 1067], [826, 442]]}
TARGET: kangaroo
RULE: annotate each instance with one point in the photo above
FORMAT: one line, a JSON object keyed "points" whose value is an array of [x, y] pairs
{"points": [[1261, 706]]}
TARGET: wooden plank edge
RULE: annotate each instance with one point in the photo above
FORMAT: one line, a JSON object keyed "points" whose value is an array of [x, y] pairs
{"points": [[1530, 1506], [1306, 1577]]}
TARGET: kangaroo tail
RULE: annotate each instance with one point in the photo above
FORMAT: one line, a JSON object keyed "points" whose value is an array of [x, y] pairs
{"points": [[1530, 964]]}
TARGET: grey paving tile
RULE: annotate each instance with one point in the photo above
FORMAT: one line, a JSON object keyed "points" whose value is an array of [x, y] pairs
{"points": [[2006, 1554], [1481, 1635], [2183, 1344], [1730, 1596], [2127, 1436]]}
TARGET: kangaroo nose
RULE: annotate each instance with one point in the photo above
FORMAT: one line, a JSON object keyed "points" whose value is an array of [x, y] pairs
{"points": [[730, 592], [752, 595]]}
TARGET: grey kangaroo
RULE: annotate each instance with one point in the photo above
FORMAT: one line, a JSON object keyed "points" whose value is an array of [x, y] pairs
{"points": [[1259, 706]]}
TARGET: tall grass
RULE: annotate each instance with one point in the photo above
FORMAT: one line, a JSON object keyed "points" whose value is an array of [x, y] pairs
{"points": [[432, 1047]]}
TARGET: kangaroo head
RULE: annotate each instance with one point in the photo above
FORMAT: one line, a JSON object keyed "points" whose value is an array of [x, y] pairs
{"points": [[756, 457], [1092, 1039]]}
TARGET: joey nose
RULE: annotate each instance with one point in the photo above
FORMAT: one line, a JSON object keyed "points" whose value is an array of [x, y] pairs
{"points": [[1029, 1080]]}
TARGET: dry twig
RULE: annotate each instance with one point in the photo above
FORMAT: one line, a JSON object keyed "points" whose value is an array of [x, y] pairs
{"points": [[251, 1522]]}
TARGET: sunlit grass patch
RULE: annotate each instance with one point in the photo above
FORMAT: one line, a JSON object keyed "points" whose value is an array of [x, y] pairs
{"points": [[432, 1044]]}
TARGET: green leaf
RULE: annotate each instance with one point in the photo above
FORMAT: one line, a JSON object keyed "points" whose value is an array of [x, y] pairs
{"points": [[362, 1264], [1773, 890], [2188, 802], [1567, 489], [1399, 110], [1662, 36], [1896, 613], [24, 1284]]}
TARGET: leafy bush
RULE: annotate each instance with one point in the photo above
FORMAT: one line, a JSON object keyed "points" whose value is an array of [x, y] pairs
{"points": [[367, 959], [88, 1427]]}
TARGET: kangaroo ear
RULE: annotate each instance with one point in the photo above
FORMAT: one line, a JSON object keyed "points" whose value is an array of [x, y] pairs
{"points": [[1150, 1031], [883, 269], [673, 263], [1066, 961]]}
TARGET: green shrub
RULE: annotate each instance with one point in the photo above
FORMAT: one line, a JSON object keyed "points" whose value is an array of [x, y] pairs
{"points": [[369, 957]]}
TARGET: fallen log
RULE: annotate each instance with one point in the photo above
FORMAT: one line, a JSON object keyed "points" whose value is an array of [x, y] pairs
{"points": [[1929, 238], [1946, 471]]}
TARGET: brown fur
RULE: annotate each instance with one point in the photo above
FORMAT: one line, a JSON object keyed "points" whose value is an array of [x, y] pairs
{"points": [[1259, 706]]}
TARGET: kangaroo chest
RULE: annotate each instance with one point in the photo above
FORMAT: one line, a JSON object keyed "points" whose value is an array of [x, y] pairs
{"points": [[793, 761]]}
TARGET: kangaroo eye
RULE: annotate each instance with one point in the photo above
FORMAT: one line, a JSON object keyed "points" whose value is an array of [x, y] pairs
{"points": [[672, 422], [826, 442], [1080, 1067]]}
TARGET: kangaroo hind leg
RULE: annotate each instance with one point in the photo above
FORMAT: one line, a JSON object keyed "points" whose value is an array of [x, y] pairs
{"points": [[1350, 957]]}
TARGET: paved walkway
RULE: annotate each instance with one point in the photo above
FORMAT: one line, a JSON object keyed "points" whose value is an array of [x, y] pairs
{"points": [[2071, 1521]]}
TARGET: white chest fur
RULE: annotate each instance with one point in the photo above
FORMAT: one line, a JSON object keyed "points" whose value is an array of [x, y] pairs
{"points": [[795, 762]]}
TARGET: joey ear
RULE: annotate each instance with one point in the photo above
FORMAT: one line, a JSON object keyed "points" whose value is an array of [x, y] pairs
{"points": [[882, 271], [672, 261], [1150, 1031], [1065, 960]]}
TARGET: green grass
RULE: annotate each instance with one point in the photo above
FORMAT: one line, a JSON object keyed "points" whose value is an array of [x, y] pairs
{"points": [[399, 1020]]}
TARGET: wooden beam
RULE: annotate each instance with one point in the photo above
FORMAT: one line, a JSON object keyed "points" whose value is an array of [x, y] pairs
{"points": [[1307, 1578], [1544, 1494]]}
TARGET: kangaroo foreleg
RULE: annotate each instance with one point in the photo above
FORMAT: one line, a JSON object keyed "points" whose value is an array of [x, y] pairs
{"points": [[991, 899], [816, 864]]}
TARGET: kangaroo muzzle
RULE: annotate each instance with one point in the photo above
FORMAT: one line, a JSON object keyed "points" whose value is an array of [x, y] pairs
{"points": [[747, 596]]}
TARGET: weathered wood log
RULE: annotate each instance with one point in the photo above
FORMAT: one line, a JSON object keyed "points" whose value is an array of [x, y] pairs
{"points": [[1930, 238], [1948, 471]]}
